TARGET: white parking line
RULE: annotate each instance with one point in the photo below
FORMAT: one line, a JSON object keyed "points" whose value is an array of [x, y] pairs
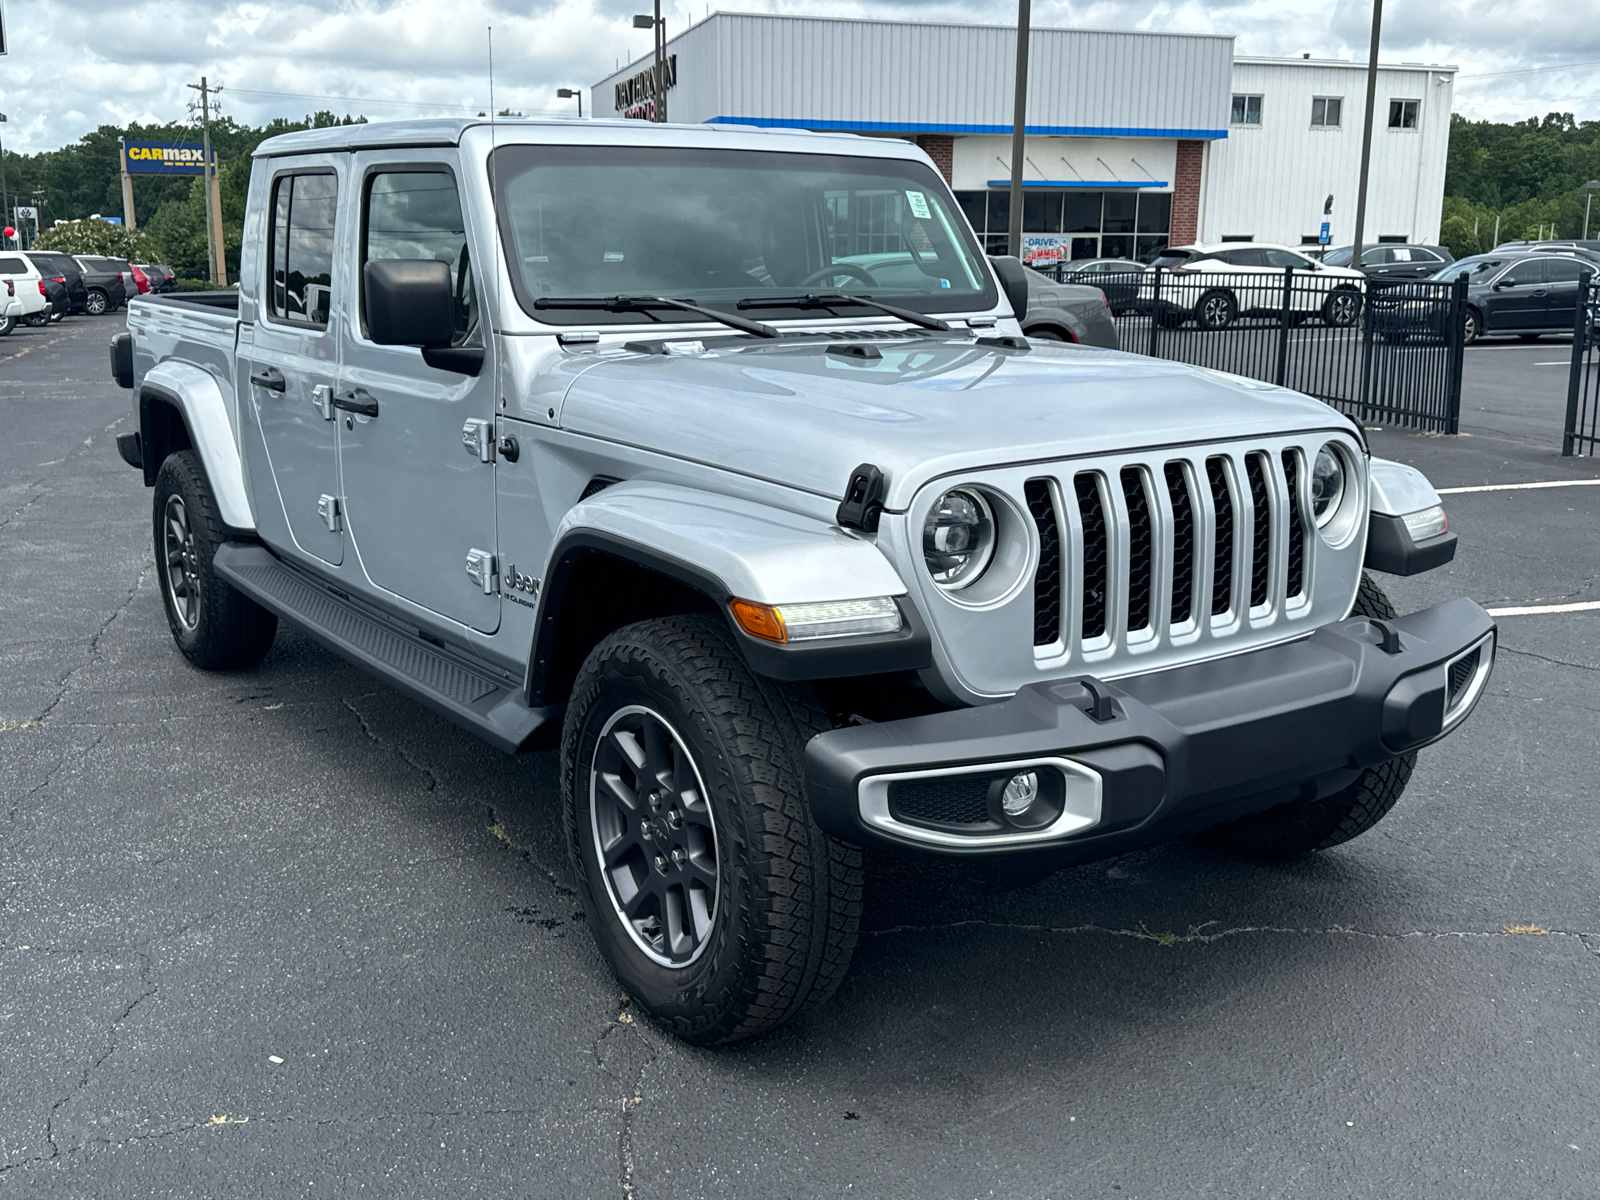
{"points": [[1534, 610], [1520, 487]]}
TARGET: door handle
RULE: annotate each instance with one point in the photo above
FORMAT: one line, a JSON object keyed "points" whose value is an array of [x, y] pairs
{"points": [[269, 378], [358, 401]]}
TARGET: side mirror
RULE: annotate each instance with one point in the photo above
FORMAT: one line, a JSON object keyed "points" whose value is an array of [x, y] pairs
{"points": [[1013, 282], [1502, 284], [408, 302]]}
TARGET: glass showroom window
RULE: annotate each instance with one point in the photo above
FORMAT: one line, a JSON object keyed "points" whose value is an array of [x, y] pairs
{"points": [[1087, 224], [1403, 114], [1246, 110], [1327, 112]]}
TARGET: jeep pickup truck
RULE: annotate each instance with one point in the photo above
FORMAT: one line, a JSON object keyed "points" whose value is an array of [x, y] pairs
{"points": [[607, 435]]}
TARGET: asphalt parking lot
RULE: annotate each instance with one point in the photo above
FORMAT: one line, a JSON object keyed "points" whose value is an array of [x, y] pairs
{"points": [[284, 933]]}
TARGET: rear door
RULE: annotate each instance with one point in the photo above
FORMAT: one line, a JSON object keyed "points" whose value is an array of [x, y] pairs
{"points": [[1562, 277], [419, 477], [1517, 299], [288, 361]]}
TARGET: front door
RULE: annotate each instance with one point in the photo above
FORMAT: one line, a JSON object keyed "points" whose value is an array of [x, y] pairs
{"points": [[288, 361], [419, 475]]}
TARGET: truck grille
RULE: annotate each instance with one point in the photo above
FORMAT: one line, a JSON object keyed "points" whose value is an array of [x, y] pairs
{"points": [[1132, 554]]}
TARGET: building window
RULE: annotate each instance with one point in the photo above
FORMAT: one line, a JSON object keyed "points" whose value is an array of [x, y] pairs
{"points": [[1403, 114], [1081, 224], [1246, 110], [1327, 112]]}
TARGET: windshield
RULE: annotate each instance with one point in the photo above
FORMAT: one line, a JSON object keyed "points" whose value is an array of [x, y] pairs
{"points": [[720, 226], [1474, 269]]}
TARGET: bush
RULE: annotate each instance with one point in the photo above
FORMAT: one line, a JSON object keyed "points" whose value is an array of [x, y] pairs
{"points": [[100, 237]]}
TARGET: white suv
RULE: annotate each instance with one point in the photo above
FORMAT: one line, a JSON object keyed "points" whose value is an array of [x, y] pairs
{"points": [[1216, 283], [21, 291]]}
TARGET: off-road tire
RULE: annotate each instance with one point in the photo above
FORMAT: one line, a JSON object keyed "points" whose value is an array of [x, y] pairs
{"points": [[98, 303], [789, 896], [1301, 826], [229, 629]]}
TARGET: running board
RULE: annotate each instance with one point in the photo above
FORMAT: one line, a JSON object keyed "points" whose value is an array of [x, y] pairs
{"points": [[469, 696]]}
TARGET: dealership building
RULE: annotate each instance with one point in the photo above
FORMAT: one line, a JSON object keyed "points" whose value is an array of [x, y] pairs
{"points": [[1134, 139]]}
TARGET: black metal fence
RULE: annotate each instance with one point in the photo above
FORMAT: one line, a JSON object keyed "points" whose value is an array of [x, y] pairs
{"points": [[1582, 434], [1385, 352]]}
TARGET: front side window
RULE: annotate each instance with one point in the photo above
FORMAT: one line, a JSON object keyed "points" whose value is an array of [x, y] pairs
{"points": [[1403, 114], [300, 246], [1246, 110], [1327, 112], [723, 226], [1524, 274], [417, 214]]}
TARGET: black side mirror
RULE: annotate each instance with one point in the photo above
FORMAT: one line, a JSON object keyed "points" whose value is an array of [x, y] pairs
{"points": [[1013, 281], [409, 302]]}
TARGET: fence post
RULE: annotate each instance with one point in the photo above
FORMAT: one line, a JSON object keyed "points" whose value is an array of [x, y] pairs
{"points": [[1366, 351], [1580, 339], [1283, 327], [1155, 310], [1457, 344]]}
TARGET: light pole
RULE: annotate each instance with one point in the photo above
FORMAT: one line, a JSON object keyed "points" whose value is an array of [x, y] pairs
{"points": [[1589, 190], [571, 93], [658, 75], [1019, 130], [3, 206], [1366, 136]]}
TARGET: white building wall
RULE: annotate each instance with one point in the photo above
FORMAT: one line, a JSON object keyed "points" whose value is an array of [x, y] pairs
{"points": [[1270, 182]]}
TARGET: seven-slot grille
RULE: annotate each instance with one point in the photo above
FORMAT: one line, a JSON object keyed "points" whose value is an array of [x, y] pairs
{"points": [[1155, 549]]}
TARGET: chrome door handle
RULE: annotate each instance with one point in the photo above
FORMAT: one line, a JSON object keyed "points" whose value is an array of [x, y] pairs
{"points": [[358, 401], [269, 378]]}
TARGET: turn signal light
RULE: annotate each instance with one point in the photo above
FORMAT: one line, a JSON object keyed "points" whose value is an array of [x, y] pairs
{"points": [[759, 620], [818, 619]]}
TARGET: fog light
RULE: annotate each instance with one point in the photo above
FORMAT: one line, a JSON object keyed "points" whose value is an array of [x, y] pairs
{"points": [[1022, 789]]}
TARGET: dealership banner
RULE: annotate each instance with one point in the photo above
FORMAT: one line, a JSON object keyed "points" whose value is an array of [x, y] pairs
{"points": [[1043, 250], [167, 158]]}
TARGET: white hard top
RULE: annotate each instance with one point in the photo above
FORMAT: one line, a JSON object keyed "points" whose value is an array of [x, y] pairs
{"points": [[450, 131]]}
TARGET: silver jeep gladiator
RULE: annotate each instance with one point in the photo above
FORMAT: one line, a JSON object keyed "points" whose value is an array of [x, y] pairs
{"points": [[718, 456]]}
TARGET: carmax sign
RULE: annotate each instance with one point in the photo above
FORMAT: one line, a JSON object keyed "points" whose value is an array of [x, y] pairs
{"points": [[167, 158]]}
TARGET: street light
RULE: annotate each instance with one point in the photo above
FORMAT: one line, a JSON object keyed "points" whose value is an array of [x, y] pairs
{"points": [[659, 96], [1589, 190], [572, 93]]}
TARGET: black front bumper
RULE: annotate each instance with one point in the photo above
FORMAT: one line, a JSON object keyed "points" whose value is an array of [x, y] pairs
{"points": [[1186, 748]]}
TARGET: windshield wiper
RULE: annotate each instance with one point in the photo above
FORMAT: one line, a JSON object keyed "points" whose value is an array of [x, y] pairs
{"points": [[835, 299], [644, 303]]}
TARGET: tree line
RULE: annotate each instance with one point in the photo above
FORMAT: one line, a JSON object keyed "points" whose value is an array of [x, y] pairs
{"points": [[1529, 175]]}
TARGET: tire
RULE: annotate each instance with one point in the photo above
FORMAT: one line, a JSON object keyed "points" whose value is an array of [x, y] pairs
{"points": [[216, 627], [97, 303], [1049, 334], [774, 902], [1172, 318], [36, 320], [1301, 826], [1471, 327], [7, 324], [1216, 310], [1341, 308]]}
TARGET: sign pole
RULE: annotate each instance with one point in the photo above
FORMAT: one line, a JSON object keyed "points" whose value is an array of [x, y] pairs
{"points": [[127, 185]]}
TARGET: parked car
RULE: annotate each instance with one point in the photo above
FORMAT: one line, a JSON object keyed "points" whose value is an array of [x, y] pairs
{"points": [[1216, 284], [162, 278], [108, 280], [1068, 312], [64, 269], [1586, 246], [1393, 261], [1521, 293], [1118, 278], [795, 571], [22, 292], [140, 279]]}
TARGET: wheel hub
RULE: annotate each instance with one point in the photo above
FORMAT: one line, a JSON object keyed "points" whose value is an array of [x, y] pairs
{"points": [[182, 559]]}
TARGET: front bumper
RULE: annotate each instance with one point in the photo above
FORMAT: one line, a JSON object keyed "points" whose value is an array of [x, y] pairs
{"points": [[1163, 754]]}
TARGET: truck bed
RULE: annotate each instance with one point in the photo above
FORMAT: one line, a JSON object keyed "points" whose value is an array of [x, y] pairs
{"points": [[200, 329]]}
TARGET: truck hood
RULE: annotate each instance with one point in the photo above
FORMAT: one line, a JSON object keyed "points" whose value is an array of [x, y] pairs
{"points": [[804, 414]]}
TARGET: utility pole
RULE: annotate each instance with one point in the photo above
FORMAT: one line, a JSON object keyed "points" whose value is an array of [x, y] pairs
{"points": [[213, 194], [127, 185], [1019, 129], [1366, 136], [5, 209]]}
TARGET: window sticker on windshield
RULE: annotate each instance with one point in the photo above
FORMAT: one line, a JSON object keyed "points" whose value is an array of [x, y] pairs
{"points": [[919, 206]]}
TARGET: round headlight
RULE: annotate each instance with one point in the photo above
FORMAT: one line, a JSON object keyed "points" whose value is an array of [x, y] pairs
{"points": [[1327, 485], [958, 538]]}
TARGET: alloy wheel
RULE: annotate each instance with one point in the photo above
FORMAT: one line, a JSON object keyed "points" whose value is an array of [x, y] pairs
{"points": [[96, 303], [182, 563], [1342, 307], [654, 836]]}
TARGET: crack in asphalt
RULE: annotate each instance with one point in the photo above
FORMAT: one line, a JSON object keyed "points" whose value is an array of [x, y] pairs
{"points": [[50, 776], [1560, 662], [1198, 933], [500, 832], [94, 644], [430, 780], [633, 1092]]}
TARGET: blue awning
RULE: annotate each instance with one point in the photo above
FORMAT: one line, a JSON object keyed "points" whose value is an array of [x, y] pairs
{"points": [[1080, 183]]}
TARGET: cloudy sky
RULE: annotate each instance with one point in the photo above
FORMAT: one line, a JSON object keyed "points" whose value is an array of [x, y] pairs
{"points": [[74, 66]]}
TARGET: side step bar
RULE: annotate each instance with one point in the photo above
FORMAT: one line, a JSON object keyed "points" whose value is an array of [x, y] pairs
{"points": [[452, 687]]}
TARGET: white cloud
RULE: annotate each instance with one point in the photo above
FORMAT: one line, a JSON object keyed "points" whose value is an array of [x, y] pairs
{"points": [[74, 66]]}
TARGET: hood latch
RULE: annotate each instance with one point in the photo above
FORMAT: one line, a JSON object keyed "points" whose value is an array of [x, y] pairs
{"points": [[863, 499]]}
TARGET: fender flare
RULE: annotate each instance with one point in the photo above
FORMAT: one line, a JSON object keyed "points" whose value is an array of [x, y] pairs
{"points": [[200, 404], [722, 547]]}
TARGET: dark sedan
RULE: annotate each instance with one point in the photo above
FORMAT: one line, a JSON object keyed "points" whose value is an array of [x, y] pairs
{"points": [[1118, 278], [1394, 262], [1526, 294]]}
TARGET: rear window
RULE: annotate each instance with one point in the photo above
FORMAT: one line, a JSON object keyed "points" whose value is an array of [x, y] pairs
{"points": [[13, 266], [1172, 258]]}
